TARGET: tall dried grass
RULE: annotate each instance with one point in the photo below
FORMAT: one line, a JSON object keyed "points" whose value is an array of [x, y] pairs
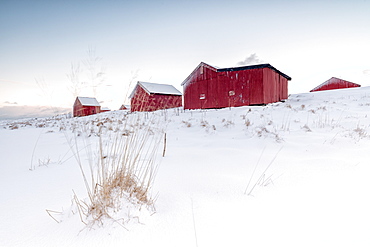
{"points": [[121, 165]]}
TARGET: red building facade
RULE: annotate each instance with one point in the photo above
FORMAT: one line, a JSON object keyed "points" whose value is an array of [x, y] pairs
{"points": [[85, 106], [152, 96], [211, 87], [334, 83]]}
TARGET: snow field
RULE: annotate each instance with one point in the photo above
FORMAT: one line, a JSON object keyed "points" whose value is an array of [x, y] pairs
{"points": [[305, 163]]}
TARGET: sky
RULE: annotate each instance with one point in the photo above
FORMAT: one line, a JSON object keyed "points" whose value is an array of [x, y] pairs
{"points": [[50, 51]]}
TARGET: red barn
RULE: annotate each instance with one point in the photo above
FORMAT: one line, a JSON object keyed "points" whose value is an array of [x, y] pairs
{"points": [[334, 83], [211, 87], [85, 106], [151, 97]]}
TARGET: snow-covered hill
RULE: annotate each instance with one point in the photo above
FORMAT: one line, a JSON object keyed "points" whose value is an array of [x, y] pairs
{"points": [[285, 174]]}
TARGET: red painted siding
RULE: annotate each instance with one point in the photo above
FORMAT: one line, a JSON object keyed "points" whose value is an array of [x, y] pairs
{"points": [[207, 87], [335, 83], [80, 110], [143, 101], [275, 86], [196, 92]]}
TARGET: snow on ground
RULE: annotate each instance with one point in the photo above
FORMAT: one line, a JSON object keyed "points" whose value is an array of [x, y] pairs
{"points": [[286, 174]]}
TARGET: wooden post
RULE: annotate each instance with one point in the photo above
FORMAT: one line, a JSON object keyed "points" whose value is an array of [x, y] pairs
{"points": [[164, 145]]}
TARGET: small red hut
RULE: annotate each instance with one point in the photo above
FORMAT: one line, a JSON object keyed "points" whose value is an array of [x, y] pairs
{"points": [[123, 107], [85, 106], [211, 87], [104, 109], [334, 83], [152, 96]]}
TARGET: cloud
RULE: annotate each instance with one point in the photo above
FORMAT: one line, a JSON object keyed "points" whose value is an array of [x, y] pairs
{"points": [[252, 59], [18, 112]]}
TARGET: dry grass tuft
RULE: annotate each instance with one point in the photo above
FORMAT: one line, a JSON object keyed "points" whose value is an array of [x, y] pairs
{"points": [[204, 124], [227, 123], [247, 122], [13, 127], [186, 123], [306, 128], [122, 167]]}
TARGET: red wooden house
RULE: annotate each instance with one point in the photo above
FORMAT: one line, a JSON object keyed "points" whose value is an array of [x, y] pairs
{"points": [[211, 87], [334, 83], [85, 106], [152, 96]]}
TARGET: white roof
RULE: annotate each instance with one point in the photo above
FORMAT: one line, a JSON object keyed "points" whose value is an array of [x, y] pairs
{"points": [[154, 88], [88, 101]]}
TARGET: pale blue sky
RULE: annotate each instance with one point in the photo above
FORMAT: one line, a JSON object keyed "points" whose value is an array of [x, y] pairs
{"points": [[164, 41]]}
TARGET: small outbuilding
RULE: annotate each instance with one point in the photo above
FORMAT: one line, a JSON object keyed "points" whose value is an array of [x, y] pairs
{"points": [[124, 107], [85, 106], [152, 96], [334, 83], [104, 109], [212, 87]]}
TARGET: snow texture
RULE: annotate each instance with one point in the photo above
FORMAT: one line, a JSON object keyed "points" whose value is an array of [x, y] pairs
{"points": [[293, 173]]}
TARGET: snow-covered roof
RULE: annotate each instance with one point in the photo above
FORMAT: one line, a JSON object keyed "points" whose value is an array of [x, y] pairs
{"points": [[88, 101], [155, 88]]}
